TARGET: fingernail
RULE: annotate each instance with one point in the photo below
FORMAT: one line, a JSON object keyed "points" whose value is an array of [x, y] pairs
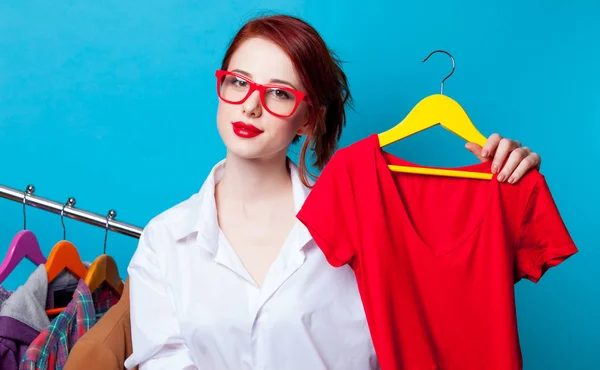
{"points": [[511, 180], [500, 178], [484, 154], [494, 168]]}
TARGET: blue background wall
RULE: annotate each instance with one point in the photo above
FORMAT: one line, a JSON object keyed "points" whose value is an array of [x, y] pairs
{"points": [[114, 104]]}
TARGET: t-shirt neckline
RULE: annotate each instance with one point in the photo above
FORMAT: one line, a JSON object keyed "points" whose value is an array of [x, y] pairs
{"points": [[386, 176]]}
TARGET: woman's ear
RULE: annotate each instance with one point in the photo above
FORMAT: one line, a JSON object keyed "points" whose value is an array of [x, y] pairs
{"points": [[304, 129], [306, 126]]}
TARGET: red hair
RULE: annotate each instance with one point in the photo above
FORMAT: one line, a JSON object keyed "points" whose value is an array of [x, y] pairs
{"points": [[320, 73]]}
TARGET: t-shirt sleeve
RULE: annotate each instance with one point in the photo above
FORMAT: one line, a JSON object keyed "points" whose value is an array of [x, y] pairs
{"points": [[329, 212], [544, 241]]}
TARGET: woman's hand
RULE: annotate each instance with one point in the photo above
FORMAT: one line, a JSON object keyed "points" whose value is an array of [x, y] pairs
{"points": [[520, 159]]}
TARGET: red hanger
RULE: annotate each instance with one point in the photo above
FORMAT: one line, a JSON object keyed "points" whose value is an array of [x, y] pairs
{"points": [[64, 256], [23, 245]]}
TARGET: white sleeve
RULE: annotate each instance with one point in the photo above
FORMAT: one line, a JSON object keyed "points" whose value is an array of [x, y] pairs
{"points": [[156, 340]]}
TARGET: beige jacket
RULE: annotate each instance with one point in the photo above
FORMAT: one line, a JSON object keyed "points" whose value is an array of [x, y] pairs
{"points": [[108, 343]]}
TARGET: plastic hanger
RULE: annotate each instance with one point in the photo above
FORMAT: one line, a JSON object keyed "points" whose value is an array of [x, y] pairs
{"points": [[64, 256], [104, 269], [24, 245], [433, 110]]}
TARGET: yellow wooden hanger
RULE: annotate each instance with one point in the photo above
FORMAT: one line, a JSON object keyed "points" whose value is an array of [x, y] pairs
{"points": [[436, 109], [104, 269]]}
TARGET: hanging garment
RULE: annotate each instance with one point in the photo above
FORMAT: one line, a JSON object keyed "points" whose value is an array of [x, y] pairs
{"points": [[4, 294], [306, 315], [50, 349], [436, 258], [108, 343], [23, 314]]}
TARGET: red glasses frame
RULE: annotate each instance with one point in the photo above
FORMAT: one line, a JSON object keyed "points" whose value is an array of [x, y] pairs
{"points": [[300, 96]]}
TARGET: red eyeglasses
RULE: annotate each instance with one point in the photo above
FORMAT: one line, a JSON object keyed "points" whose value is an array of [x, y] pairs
{"points": [[278, 100]]}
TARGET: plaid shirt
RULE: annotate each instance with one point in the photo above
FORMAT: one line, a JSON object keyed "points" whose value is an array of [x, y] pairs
{"points": [[51, 348]]}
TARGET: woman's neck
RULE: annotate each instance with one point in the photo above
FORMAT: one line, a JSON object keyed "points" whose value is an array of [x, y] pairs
{"points": [[253, 180]]}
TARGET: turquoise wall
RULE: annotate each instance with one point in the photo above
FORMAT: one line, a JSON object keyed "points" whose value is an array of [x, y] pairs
{"points": [[114, 103]]}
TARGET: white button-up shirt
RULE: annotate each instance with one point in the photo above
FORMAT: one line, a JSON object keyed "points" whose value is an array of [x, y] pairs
{"points": [[194, 305]]}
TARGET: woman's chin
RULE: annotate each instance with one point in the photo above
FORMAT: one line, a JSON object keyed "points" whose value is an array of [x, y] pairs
{"points": [[244, 149]]}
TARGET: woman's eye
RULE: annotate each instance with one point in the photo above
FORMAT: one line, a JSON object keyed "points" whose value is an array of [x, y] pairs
{"points": [[239, 82], [280, 94]]}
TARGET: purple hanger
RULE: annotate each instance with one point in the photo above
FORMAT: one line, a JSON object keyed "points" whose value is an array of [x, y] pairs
{"points": [[24, 245]]}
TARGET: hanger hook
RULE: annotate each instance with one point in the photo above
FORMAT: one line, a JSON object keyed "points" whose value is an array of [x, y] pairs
{"points": [[70, 203], [453, 66], [30, 189], [111, 216]]}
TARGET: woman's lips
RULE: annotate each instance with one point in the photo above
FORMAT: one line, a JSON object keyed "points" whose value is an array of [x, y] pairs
{"points": [[245, 130]]}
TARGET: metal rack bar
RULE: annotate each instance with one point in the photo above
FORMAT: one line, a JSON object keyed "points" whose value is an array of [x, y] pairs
{"points": [[68, 210]]}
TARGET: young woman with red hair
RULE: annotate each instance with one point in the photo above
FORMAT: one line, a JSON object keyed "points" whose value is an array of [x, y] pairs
{"points": [[229, 279]]}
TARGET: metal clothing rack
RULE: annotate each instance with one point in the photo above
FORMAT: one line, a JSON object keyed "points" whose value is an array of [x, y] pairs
{"points": [[68, 209]]}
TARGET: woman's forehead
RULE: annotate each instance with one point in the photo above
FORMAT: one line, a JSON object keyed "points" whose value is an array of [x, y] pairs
{"points": [[263, 60]]}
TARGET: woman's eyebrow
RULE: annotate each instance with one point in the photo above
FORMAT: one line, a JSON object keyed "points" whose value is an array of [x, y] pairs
{"points": [[278, 81], [273, 80]]}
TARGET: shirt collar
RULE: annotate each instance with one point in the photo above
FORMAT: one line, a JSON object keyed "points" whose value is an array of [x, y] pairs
{"points": [[200, 211]]}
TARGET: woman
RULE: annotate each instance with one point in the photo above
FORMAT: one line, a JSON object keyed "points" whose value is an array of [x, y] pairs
{"points": [[229, 278]]}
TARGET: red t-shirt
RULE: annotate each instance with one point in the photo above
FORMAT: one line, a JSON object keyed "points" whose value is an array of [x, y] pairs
{"points": [[436, 258]]}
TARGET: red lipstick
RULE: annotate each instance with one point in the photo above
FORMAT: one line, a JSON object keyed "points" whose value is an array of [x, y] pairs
{"points": [[245, 130]]}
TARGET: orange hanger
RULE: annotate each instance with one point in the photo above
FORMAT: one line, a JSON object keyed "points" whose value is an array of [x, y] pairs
{"points": [[433, 110], [64, 256], [104, 270]]}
